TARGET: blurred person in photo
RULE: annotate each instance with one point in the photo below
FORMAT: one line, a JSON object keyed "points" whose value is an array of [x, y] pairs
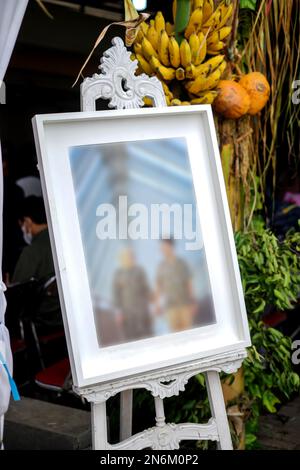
{"points": [[174, 291], [132, 295]]}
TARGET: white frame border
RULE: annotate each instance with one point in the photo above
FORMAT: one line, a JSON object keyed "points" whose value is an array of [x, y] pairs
{"points": [[84, 375]]}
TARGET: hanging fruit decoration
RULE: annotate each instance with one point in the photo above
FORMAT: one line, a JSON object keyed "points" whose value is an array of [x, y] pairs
{"points": [[232, 101], [248, 96], [186, 56], [258, 89]]}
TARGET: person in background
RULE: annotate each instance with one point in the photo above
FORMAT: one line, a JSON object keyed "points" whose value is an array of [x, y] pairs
{"points": [[131, 295], [174, 292], [36, 261], [28, 175]]}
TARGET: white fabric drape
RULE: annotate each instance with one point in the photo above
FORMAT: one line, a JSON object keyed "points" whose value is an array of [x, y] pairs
{"points": [[11, 16]]}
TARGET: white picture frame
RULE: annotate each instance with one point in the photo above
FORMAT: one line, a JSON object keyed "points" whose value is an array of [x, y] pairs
{"points": [[90, 364]]}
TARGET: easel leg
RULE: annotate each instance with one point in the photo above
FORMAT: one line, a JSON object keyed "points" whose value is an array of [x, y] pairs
{"points": [[99, 426], [218, 409], [126, 414], [159, 412]]}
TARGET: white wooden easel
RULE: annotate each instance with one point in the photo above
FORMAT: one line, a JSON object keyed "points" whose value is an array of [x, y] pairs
{"points": [[119, 84]]}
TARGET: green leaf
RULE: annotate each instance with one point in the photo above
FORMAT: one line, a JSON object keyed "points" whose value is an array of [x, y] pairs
{"points": [[295, 379], [200, 379], [279, 295], [182, 18], [270, 400], [189, 405], [261, 307], [250, 439]]}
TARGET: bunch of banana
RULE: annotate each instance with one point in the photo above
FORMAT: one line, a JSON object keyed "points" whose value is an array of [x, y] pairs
{"points": [[204, 17], [178, 52], [208, 75]]}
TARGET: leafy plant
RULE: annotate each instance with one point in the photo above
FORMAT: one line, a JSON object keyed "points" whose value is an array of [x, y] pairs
{"points": [[269, 376], [270, 275], [270, 269]]}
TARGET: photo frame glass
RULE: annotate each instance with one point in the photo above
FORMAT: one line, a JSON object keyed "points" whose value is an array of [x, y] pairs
{"points": [[142, 239]]}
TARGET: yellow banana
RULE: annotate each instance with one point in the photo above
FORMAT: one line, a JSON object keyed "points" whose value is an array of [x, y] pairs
{"points": [[163, 48], [205, 98], [197, 4], [219, 18], [208, 9], [197, 101], [223, 67], [180, 74], [218, 35], [178, 102], [160, 23], [209, 66], [174, 52], [212, 80], [203, 69], [185, 53], [138, 48], [226, 13], [214, 49], [215, 62], [145, 66], [194, 43], [144, 27], [148, 49], [166, 73], [148, 102], [190, 71], [212, 22], [175, 102], [195, 22], [170, 28], [212, 52], [167, 90], [153, 36], [140, 36], [202, 49], [202, 83], [224, 32]]}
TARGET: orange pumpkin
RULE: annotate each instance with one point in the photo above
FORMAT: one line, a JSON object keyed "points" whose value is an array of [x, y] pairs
{"points": [[258, 89], [232, 101]]}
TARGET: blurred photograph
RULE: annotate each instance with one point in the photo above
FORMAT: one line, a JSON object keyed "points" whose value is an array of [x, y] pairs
{"points": [[142, 239]]}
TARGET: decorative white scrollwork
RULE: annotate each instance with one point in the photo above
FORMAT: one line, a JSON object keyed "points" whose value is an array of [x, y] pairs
{"points": [[169, 436], [118, 82], [166, 382]]}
